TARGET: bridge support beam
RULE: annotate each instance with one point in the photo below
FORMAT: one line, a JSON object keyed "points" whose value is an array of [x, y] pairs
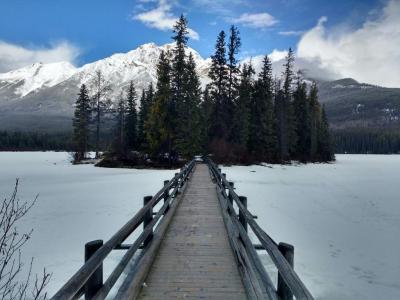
{"points": [[287, 251], [95, 282], [148, 217]]}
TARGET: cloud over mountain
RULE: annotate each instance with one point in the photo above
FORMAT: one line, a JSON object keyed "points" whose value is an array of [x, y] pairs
{"points": [[14, 56], [369, 54]]}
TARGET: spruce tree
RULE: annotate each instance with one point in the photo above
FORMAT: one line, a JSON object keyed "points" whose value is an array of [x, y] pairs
{"points": [[178, 70], [315, 119], [131, 119], [218, 74], [302, 114], [189, 134], [81, 123], [146, 101], [284, 112], [159, 124], [263, 142], [141, 120], [241, 121], [234, 45], [325, 148], [207, 108]]}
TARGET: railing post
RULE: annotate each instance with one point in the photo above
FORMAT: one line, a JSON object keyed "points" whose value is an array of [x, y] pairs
{"points": [[242, 215], [166, 195], [230, 197], [148, 217], [287, 251], [95, 282]]}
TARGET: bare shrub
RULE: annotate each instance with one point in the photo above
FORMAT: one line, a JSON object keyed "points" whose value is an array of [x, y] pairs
{"points": [[11, 245]]}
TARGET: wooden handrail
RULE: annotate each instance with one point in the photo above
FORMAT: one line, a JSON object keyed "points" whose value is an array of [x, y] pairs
{"points": [[78, 280], [286, 271]]}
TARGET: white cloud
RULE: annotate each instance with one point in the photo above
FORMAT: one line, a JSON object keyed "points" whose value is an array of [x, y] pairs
{"points": [[368, 54], [162, 18], [15, 56], [259, 20], [277, 55]]}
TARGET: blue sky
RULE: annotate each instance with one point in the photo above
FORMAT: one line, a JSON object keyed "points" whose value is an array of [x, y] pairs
{"points": [[332, 39], [99, 28]]}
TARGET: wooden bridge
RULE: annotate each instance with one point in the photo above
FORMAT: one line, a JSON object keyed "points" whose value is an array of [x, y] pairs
{"points": [[195, 246]]}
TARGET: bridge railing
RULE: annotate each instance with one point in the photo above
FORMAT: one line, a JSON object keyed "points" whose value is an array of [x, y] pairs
{"points": [[88, 280], [257, 281]]}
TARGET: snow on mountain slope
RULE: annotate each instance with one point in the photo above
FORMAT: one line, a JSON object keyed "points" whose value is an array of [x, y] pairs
{"points": [[37, 76], [118, 70], [138, 65]]}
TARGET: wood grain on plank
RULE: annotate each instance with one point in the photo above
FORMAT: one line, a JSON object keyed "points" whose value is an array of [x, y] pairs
{"points": [[195, 260]]}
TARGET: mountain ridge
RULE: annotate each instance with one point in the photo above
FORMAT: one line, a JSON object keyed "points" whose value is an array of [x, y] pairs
{"points": [[41, 96]]}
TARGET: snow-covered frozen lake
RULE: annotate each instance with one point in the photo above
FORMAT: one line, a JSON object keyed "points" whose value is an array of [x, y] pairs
{"points": [[342, 218]]}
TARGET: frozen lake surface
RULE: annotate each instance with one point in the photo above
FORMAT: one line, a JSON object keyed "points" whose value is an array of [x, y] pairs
{"points": [[342, 218]]}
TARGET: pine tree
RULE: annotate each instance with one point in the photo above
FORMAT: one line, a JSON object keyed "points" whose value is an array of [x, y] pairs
{"points": [[146, 101], [314, 121], [263, 142], [241, 122], [120, 141], [207, 108], [178, 70], [325, 148], [234, 45], [100, 104], [131, 119], [284, 112], [189, 133], [141, 120], [159, 124], [302, 112], [81, 123], [218, 73]]}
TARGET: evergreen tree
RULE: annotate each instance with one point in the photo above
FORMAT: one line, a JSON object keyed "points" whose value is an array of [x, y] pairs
{"points": [[241, 123], [159, 124], [284, 112], [189, 134], [81, 123], [131, 118], [146, 101], [234, 44], [263, 142], [100, 104], [324, 139], [301, 109], [120, 141], [207, 108], [178, 73], [314, 121], [218, 73]]}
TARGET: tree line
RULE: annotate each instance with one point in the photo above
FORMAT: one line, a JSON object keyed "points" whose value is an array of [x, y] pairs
{"points": [[240, 116], [367, 140]]}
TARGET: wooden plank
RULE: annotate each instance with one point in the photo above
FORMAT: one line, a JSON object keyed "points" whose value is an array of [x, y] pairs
{"points": [[195, 259]]}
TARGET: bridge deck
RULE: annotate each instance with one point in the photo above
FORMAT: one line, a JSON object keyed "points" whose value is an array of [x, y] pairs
{"points": [[195, 259]]}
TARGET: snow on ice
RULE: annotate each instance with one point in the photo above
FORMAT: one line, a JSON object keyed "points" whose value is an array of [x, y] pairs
{"points": [[342, 218]]}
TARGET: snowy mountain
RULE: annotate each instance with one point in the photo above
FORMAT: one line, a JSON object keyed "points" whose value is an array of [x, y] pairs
{"points": [[119, 69], [35, 96], [41, 96]]}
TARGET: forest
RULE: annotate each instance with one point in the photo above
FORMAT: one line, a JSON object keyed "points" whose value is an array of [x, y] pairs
{"points": [[240, 117]]}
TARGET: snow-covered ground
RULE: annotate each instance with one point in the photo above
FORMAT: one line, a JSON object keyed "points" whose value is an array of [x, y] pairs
{"points": [[343, 218], [76, 204]]}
